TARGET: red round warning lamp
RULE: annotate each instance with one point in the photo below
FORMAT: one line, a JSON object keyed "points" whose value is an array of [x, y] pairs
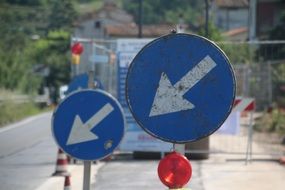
{"points": [[77, 48], [174, 170]]}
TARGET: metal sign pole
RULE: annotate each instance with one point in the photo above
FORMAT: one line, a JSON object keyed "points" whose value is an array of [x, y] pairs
{"points": [[251, 135], [247, 147], [87, 164], [91, 83], [249, 139], [86, 176], [96, 105], [180, 148]]}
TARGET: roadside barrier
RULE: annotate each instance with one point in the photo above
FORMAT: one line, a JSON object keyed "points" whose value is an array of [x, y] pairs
{"points": [[61, 164], [244, 105]]}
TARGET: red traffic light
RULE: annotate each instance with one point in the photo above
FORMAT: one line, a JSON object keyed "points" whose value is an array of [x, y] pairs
{"points": [[77, 48], [174, 170]]}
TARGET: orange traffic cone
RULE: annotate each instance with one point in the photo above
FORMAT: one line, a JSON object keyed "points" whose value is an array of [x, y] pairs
{"points": [[67, 183], [61, 164]]}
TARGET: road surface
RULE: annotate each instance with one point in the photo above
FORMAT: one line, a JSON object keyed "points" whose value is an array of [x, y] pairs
{"points": [[27, 153], [128, 174]]}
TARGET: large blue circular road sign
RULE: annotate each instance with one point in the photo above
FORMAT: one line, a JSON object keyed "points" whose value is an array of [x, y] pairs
{"points": [[88, 124], [180, 88]]}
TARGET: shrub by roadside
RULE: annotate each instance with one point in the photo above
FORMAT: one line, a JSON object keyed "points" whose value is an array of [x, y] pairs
{"points": [[14, 107], [272, 122], [11, 112]]}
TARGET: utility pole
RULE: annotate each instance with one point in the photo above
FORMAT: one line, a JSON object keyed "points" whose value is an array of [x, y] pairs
{"points": [[207, 19], [140, 18], [252, 21]]}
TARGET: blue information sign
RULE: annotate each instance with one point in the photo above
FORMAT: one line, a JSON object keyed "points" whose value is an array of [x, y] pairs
{"points": [[88, 124], [81, 82], [121, 83], [180, 88]]}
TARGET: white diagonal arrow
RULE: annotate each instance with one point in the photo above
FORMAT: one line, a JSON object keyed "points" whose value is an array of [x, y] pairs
{"points": [[81, 132], [169, 98]]}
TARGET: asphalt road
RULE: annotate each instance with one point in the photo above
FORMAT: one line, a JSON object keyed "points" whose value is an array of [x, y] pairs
{"points": [[27, 153], [128, 174]]}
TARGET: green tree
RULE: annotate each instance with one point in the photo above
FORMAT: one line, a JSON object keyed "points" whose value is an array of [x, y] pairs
{"points": [[274, 51], [164, 11], [214, 33], [238, 53], [53, 52], [62, 15], [19, 54], [15, 65], [61, 19]]}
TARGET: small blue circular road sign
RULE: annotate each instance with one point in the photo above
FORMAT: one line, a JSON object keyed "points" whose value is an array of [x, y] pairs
{"points": [[80, 82], [88, 124], [180, 88]]}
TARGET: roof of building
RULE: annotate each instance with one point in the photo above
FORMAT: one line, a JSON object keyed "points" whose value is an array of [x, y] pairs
{"points": [[131, 30], [108, 11], [232, 3], [123, 24], [237, 34], [236, 31]]}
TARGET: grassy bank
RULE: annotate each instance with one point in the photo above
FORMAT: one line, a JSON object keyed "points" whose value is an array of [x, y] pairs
{"points": [[11, 112]]}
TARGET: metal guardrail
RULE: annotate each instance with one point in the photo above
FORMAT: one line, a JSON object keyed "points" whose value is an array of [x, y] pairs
{"points": [[25, 98]]}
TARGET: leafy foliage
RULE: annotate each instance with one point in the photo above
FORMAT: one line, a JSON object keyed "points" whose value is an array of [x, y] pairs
{"points": [[237, 53], [15, 65], [163, 11], [271, 122], [62, 15], [276, 52], [11, 111], [213, 32], [54, 49], [50, 22], [277, 33]]}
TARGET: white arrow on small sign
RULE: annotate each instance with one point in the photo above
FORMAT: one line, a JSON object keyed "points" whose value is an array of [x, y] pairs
{"points": [[81, 132], [169, 98]]}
